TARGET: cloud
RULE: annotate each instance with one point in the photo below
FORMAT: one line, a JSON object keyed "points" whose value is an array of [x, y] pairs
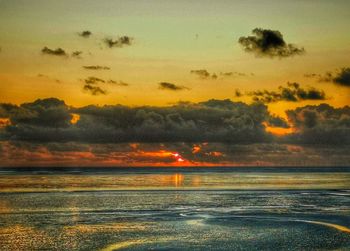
{"points": [[119, 42], [292, 92], [60, 52], [55, 52], [220, 121], [210, 121], [49, 112], [7, 109], [96, 67], [48, 78], [312, 75], [218, 132], [94, 90], [171, 87], [343, 77], [322, 124], [94, 80], [16, 153], [120, 83], [269, 43], [238, 93], [235, 73], [277, 121], [340, 77], [49, 120], [77, 54], [204, 74], [85, 34]]}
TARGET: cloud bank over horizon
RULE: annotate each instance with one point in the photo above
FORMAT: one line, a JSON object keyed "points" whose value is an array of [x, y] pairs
{"points": [[50, 120], [221, 123]]}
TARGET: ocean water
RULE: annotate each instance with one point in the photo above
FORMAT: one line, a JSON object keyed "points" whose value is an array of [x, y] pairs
{"points": [[175, 209]]}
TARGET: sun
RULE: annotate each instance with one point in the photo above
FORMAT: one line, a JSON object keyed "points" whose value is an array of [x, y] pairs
{"points": [[178, 157]]}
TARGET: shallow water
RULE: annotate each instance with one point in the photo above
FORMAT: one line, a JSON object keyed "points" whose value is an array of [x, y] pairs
{"points": [[175, 209]]}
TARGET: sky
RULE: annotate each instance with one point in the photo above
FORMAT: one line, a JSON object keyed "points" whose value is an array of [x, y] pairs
{"points": [[134, 83]]}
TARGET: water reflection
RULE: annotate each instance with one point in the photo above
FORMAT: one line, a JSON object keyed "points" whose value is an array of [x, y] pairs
{"points": [[175, 220], [193, 180]]}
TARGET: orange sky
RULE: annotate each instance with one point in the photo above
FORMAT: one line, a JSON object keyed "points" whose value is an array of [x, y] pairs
{"points": [[159, 54]]}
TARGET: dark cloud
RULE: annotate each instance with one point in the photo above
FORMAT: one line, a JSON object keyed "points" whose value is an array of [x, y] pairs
{"points": [[96, 67], [93, 80], [94, 90], [340, 77], [210, 121], [54, 52], [322, 124], [49, 120], [214, 120], [343, 77], [40, 118], [119, 42], [277, 121], [270, 43], [292, 92], [7, 109], [60, 52], [172, 87], [85, 34]]}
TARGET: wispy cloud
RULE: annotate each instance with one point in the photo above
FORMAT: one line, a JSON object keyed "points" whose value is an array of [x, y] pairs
{"points": [[94, 90], [60, 52], [119, 42], [48, 78], [55, 52], [94, 80], [205, 74], [96, 67], [120, 83], [77, 54], [171, 86]]}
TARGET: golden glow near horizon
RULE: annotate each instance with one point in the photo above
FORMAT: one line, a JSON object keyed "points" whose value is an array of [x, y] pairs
{"points": [[75, 118], [279, 131]]}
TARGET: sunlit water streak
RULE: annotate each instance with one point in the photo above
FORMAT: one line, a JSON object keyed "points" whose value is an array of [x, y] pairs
{"points": [[175, 209]]}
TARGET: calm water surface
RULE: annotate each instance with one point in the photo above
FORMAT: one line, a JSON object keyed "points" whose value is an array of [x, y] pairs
{"points": [[175, 209]]}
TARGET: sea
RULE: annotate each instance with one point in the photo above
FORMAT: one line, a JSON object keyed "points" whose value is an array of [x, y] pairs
{"points": [[173, 208]]}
